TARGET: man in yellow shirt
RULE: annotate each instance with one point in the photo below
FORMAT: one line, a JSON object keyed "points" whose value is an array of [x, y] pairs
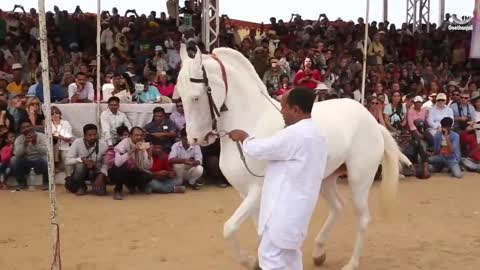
{"points": [[16, 86]]}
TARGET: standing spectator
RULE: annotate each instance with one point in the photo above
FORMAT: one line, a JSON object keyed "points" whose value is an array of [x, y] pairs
{"points": [[111, 119], [186, 160], [132, 164], [446, 149], [376, 51], [30, 151], [86, 156], [163, 175], [81, 91]]}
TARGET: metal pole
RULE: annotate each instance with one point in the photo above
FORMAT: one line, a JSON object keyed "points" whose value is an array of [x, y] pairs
{"points": [[441, 12], [365, 50], [385, 10], [98, 61], [48, 124]]}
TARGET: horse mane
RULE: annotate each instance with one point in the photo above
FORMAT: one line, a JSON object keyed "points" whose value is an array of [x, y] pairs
{"points": [[242, 61]]}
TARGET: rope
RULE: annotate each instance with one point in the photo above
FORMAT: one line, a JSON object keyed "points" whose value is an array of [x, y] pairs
{"points": [[57, 260]]}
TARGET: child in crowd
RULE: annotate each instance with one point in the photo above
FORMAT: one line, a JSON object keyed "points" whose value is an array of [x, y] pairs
{"points": [[6, 155]]}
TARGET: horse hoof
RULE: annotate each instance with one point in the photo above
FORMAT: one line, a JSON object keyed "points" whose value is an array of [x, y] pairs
{"points": [[319, 261]]}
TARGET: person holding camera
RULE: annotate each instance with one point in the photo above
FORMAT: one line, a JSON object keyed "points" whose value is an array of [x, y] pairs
{"points": [[132, 164], [463, 112], [308, 76], [446, 147]]}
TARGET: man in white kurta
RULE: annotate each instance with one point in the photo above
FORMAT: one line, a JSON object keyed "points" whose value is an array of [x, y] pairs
{"points": [[297, 158]]}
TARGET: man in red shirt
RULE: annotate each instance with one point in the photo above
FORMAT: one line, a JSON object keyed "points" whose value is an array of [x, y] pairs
{"points": [[472, 162], [163, 173]]}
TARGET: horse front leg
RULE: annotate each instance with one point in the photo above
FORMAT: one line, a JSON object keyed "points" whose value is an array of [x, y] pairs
{"points": [[248, 207]]}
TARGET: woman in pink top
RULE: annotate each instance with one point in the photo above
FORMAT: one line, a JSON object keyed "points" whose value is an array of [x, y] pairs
{"points": [[416, 116], [164, 87]]}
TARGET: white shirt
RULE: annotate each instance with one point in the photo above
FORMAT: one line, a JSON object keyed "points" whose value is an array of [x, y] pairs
{"points": [[87, 92], [435, 115], [64, 130], [298, 157], [110, 122], [107, 38], [193, 151]]}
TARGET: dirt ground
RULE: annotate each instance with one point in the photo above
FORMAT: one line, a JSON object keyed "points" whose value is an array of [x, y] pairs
{"points": [[435, 226]]}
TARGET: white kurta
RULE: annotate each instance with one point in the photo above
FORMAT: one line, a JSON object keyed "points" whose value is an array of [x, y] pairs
{"points": [[298, 157]]}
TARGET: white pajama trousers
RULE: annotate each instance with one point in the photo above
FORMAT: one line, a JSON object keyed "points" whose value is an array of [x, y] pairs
{"points": [[272, 257]]}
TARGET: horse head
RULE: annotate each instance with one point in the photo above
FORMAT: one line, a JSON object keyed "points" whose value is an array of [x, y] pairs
{"points": [[201, 94]]}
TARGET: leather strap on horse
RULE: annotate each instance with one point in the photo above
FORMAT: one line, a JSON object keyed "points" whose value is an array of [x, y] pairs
{"points": [[224, 77]]}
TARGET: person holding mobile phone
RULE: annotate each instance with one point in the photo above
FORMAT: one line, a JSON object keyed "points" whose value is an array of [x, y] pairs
{"points": [[446, 146]]}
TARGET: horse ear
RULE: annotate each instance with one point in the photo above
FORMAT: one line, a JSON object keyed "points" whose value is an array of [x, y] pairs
{"points": [[198, 57], [183, 52]]}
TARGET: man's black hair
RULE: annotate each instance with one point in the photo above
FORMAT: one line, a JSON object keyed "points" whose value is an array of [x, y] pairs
{"points": [[183, 132], [136, 128], [446, 122], [88, 127], [114, 98], [159, 109], [302, 97]]}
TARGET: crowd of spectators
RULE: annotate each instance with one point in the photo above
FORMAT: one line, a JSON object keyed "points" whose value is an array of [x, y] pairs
{"points": [[420, 85]]}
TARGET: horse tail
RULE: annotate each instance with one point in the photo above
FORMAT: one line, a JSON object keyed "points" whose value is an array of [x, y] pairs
{"points": [[390, 170]]}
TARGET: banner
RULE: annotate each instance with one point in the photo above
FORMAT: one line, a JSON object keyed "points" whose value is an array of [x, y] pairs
{"points": [[475, 44]]}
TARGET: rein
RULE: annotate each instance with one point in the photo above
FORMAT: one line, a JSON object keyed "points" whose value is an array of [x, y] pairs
{"points": [[215, 112]]}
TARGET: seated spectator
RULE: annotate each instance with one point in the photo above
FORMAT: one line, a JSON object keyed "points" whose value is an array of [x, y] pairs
{"points": [[6, 119], [132, 164], [109, 157], [81, 91], [375, 107], [471, 138], [17, 85], [437, 113], [30, 151], [35, 114], [272, 77], [164, 87], [36, 90], [149, 94], [178, 115], [161, 129], [463, 112], [186, 160], [307, 76], [164, 178], [62, 138], [18, 112], [446, 149], [118, 90], [6, 156], [285, 86], [86, 157], [395, 113], [111, 119]]}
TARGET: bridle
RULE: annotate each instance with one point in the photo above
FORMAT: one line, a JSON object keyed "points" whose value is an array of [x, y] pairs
{"points": [[215, 113]]}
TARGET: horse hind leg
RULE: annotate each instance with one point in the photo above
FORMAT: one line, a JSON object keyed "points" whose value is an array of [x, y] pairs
{"points": [[360, 178], [330, 193]]}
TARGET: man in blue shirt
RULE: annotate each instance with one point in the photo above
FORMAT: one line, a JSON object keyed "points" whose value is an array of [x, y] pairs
{"points": [[36, 90], [446, 146]]}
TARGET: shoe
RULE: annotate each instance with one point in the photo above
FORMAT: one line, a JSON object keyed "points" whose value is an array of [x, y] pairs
{"points": [[118, 195], [81, 191], [179, 189], [200, 182], [21, 187], [195, 186], [45, 187], [222, 185], [132, 190]]}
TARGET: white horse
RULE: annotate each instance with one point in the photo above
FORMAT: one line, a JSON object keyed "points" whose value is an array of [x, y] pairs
{"points": [[355, 140]]}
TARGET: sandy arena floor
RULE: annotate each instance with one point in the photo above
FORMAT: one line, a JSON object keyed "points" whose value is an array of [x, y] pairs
{"points": [[436, 226]]}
